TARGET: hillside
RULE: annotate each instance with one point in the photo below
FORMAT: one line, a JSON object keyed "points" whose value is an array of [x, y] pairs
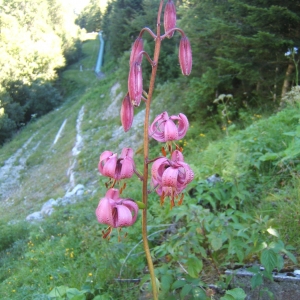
{"points": [[256, 202]]}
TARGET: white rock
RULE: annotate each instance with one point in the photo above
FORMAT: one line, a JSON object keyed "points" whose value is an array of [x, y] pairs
{"points": [[36, 216]]}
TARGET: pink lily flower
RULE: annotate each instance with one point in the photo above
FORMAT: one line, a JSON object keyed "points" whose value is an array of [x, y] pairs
{"points": [[170, 177], [116, 212], [170, 17], [185, 56], [117, 168], [164, 129], [127, 113]]}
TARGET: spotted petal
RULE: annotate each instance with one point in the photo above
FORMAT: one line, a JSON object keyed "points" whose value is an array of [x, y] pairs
{"points": [[170, 177], [104, 211]]}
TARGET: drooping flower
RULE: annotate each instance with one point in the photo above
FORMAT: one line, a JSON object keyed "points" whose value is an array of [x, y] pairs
{"points": [[137, 47], [170, 17], [127, 113], [115, 211], [185, 56], [135, 83], [164, 129], [117, 168], [170, 177]]}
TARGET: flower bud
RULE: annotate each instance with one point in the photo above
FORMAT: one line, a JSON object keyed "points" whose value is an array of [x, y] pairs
{"points": [[135, 83], [137, 47], [127, 113], [185, 56], [170, 17]]}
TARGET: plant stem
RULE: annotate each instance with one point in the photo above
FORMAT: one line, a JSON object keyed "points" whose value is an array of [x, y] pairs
{"points": [[146, 154]]}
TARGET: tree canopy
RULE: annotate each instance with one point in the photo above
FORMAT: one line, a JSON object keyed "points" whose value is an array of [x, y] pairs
{"points": [[37, 38]]}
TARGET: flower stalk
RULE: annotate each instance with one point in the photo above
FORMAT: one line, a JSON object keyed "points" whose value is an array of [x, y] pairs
{"points": [[146, 153], [169, 176]]}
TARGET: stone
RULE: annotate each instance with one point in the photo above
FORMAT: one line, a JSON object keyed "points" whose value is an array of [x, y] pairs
{"points": [[283, 287], [36, 216]]}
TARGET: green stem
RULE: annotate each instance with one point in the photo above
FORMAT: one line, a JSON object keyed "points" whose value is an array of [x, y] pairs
{"points": [[146, 154]]}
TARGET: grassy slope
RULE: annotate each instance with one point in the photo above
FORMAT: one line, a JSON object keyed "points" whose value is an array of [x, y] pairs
{"points": [[67, 248]]}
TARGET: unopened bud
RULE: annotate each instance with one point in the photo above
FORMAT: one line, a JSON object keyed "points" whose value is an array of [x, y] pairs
{"points": [[170, 17], [137, 47], [127, 112], [135, 83], [185, 56]]}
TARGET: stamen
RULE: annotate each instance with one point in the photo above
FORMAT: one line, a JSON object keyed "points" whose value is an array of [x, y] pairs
{"points": [[181, 199], [162, 198], [106, 233], [113, 183], [172, 200], [163, 151]]}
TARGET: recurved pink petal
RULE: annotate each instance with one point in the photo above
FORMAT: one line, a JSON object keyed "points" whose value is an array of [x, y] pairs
{"points": [[110, 166], [183, 125], [127, 113], [112, 194], [127, 168], [171, 131], [135, 83], [185, 56], [157, 128], [169, 177], [133, 207], [103, 158], [158, 168], [104, 211], [127, 152], [137, 47], [186, 174], [170, 17], [122, 216], [177, 156]]}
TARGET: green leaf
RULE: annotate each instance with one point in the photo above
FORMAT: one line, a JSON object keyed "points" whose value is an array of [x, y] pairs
{"points": [[290, 255], [268, 259], [199, 294], [194, 266], [77, 297], [178, 284], [269, 156], [140, 204], [102, 297], [216, 243], [256, 280], [273, 231], [58, 291], [186, 289], [234, 294], [166, 281]]}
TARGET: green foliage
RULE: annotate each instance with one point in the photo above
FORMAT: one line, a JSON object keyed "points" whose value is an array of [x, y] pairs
{"points": [[90, 18], [238, 51], [11, 233]]}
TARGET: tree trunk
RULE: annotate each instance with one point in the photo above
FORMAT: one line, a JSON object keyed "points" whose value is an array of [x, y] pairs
{"points": [[286, 82]]}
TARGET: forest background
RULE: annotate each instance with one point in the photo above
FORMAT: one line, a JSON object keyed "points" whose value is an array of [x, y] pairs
{"points": [[239, 49], [238, 99]]}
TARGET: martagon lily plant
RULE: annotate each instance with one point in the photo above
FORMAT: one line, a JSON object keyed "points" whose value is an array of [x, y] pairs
{"points": [[170, 174]]}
